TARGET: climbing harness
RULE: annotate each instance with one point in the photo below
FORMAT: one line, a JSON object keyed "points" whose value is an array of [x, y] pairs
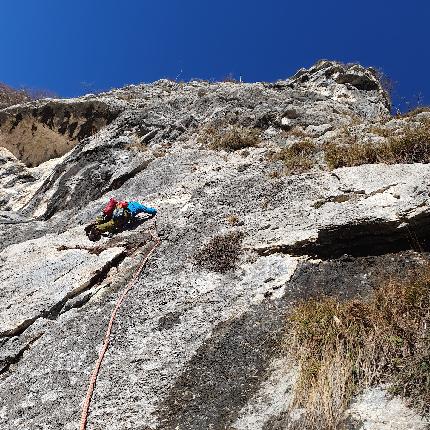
{"points": [[93, 379]]}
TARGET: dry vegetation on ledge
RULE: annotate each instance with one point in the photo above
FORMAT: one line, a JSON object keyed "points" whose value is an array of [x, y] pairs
{"points": [[413, 146], [230, 139], [342, 347], [297, 158]]}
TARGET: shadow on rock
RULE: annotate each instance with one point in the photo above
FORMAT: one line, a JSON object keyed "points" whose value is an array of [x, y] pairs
{"points": [[226, 371]]}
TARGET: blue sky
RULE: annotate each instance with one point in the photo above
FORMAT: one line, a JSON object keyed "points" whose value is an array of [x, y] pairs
{"points": [[81, 46]]}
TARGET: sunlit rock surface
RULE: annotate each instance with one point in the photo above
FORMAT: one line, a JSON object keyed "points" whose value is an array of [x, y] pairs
{"points": [[192, 348]]}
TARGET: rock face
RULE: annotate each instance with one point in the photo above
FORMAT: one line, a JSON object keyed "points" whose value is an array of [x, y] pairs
{"points": [[193, 347]]}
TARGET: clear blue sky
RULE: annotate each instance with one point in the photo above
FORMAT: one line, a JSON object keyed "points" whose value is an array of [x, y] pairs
{"points": [[81, 46]]}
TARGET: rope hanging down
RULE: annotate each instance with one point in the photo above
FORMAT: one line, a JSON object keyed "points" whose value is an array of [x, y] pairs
{"points": [[93, 379]]}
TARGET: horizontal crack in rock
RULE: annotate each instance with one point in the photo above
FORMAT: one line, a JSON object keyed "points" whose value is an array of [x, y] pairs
{"points": [[95, 280], [120, 180], [360, 240], [350, 195]]}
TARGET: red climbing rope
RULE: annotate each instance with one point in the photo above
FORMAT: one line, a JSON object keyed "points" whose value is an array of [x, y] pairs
{"points": [[93, 379]]}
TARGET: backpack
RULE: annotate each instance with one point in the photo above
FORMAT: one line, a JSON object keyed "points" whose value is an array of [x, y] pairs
{"points": [[118, 213], [110, 207]]}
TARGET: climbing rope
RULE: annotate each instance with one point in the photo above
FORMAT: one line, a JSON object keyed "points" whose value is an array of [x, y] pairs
{"points": [[93, 379]]}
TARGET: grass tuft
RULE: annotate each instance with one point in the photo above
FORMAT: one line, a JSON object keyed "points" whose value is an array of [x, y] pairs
{"points": [[231, 138], [354, 154], [413, 146], [233, 219], [221, 253], [297, 158]]}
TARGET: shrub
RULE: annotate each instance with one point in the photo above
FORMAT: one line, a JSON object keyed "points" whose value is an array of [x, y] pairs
{"points": [[221, 253], [231, 138], [297, 158], [380, 131], [230, 78], [342, 347], [40, 93], [413, 112], [387, 83], [350, 155], [296, 132], [412, 147]]}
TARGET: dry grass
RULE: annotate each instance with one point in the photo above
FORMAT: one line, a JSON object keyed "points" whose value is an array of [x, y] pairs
{"points": [[414, 112], [296, 132], [297, 158], [380, 131], [126, 96], [233, 219], [136, 144], [413, 146], [231, 138], [355, 154], [159, 152], [275, 174], [342, 347], [221, 253]]}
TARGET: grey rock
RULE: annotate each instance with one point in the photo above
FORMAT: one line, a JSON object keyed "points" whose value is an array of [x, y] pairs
{"points": [[375, 410], [38, 276], [318, 130], [193, 348]]}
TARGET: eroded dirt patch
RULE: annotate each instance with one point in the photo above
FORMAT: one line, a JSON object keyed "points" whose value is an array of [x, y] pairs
{"points": [[37, 133]]}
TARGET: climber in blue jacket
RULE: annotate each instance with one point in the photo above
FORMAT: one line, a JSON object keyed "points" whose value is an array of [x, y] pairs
{"points": [[115, 216], [136, 208]]}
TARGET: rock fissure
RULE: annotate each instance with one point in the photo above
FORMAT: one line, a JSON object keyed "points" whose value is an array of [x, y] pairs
{"points": [[58, 308], [6, 364], [351, 195], [360, 240], [96, 280]]}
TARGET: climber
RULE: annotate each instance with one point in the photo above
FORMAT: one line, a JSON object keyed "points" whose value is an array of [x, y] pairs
{"points": [[116, 215]]}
